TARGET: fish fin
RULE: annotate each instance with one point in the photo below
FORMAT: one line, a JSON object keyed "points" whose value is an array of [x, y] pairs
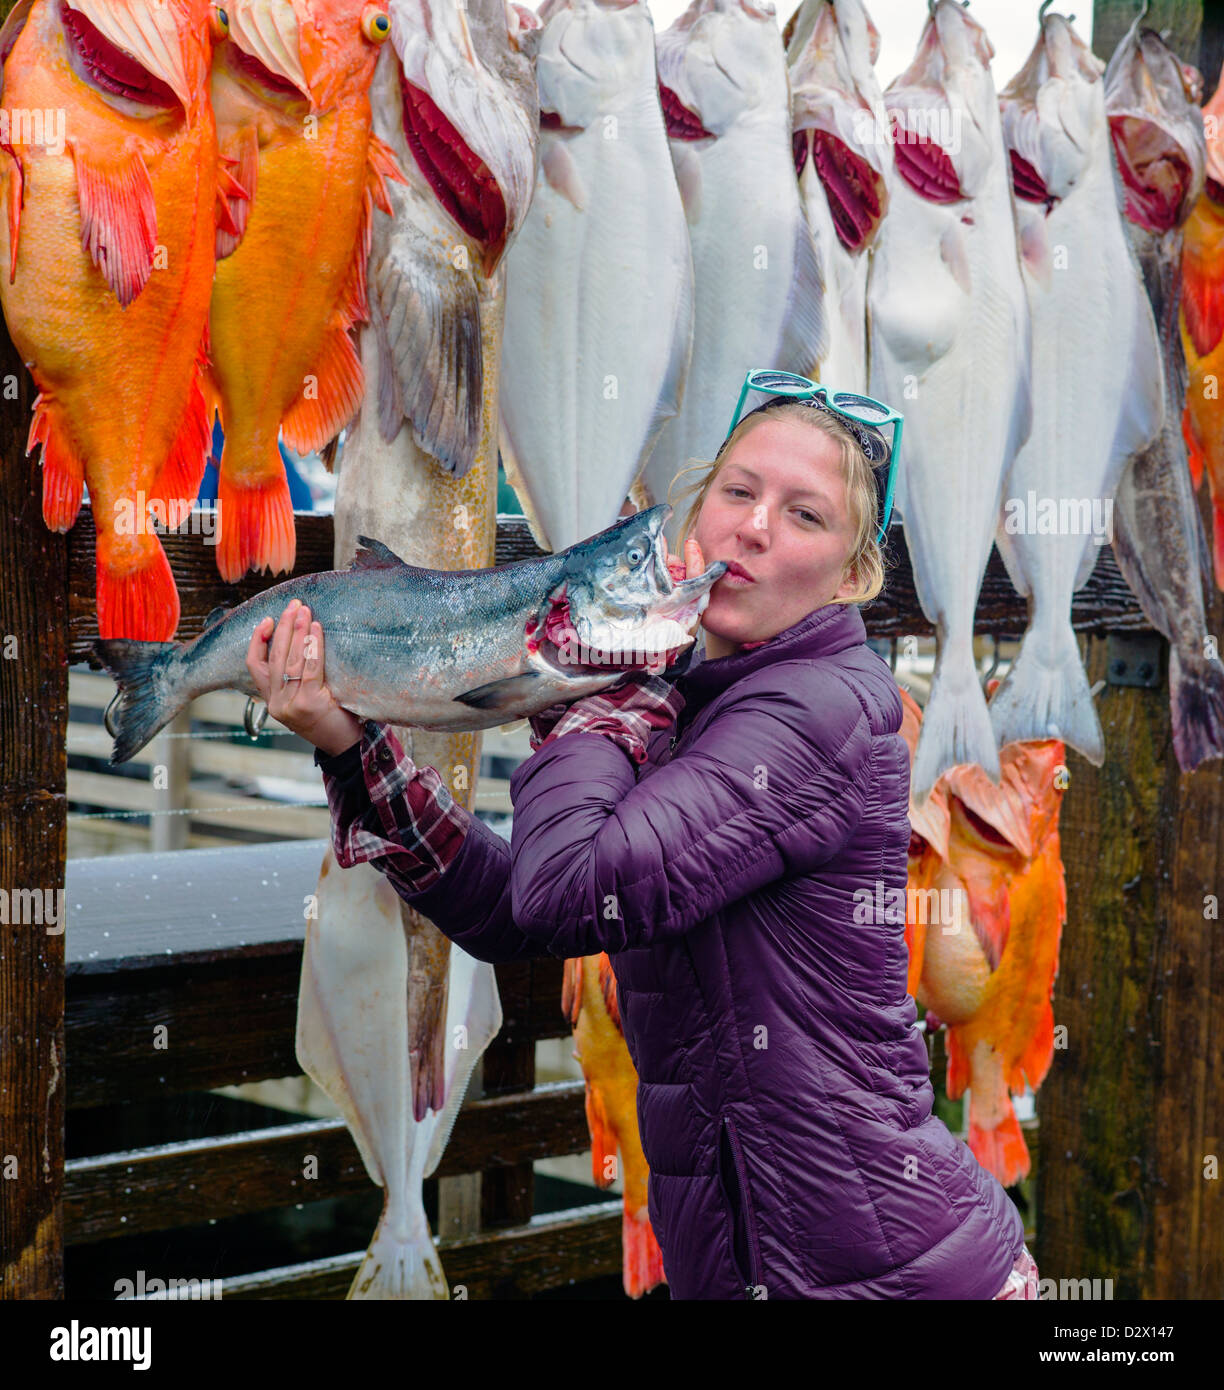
{"points": [[1001, 1150], [136, 594], [239, 188], [118, 218], [1194, 450], [400, 1267], [217, 615], [63, 468], [331, 396], [955, 255], [372, 554], [177, 484], [604, 1143], [149, 696], [381, 165], [805, 337], [1035, 252], [474, 986], [1202, 305], [514, 476], [689, 180], [255, 528], [607, 984], [956, 1075], [641, 1258], [1088, 562], [1217, 513], [1046, 694], [571, 989], [1144, 395], [561, 173], [504, 694], [431, 370], [1196, 699], [16, 201], [1011, 561], [956, 726]]}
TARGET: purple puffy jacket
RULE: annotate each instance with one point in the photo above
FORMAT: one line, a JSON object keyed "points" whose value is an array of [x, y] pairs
{"points": [[784, 1095]]}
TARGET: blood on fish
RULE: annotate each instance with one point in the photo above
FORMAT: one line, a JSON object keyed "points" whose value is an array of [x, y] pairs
{"points": [[110, 68], [682, 123], [460, 178], [1156, 186]]}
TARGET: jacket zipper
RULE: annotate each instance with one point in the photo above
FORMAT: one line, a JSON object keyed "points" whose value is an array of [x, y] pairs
{"points": [[742, 1204]]}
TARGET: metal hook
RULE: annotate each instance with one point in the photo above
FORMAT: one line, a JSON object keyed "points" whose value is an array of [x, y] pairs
{"points": [[1045, 5], [252, 722], [108, 718], [994, 665], [1143, 13]]}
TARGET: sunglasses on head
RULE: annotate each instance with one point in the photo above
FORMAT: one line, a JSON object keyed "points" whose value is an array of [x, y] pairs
{"points": [[862, 415]]}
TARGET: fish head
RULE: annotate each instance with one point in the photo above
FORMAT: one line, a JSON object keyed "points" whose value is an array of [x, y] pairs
{"points": [[1052, 112], [616, 603], [590, 53], [720, 60], [1151, 98], [295, 50], [142, 57], [470, 112], [838, 118]]}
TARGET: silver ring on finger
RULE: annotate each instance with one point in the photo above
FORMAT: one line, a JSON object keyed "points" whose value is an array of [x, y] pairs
{"points": [[287, 678]]}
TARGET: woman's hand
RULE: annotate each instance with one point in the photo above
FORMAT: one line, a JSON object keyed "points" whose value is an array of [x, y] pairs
{"points": [[294, 647]]}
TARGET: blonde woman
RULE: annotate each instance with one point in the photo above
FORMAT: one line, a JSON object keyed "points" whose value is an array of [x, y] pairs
{"points": [[714, 834]]}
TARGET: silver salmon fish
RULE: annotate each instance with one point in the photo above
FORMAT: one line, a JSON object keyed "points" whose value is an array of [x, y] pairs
{"points": [[441, 649]]}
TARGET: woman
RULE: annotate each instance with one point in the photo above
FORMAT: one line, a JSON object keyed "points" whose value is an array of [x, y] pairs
{"points": [[784, 1096]]}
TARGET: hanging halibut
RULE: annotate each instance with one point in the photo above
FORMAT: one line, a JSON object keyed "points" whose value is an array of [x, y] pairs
{"points": [[950, 346], [1159, 542], [1098, 381], [843, 155], [759, 294], [599, 285]]}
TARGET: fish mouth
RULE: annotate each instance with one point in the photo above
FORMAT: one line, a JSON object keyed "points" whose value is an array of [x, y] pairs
{"points": [[574, 645], [1157, 173], [110, 68]]}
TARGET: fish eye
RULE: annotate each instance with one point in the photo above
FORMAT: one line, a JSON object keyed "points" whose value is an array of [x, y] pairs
{"points": [[636, 555], [375, 24], [221, 22]]}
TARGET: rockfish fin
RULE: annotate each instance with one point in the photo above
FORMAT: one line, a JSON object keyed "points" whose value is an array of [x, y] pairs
{"points": [[118, 218], [426, 313], [63, 468], [1202, 304], [1195, 456], [237, 177], [256, 530], [177, 484], [381, 165], [503, 694], [330, 396], [148, 696], [805, 336]]}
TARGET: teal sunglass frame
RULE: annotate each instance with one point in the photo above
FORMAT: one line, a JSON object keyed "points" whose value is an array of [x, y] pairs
{"points": [[800, 388]]}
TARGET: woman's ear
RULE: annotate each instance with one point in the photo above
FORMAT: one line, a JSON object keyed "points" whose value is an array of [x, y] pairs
{"points": [[849, 584]]}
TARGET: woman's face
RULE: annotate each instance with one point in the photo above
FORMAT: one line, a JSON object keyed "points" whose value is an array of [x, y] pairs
{"points": [[778, 509]]}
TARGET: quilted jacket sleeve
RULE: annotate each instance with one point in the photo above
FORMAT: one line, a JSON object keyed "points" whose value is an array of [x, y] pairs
{"points": [[773, 787]]}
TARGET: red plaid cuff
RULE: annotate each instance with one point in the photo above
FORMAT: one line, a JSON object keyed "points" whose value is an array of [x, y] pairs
{"points": [[628, 713], [385, 808]]}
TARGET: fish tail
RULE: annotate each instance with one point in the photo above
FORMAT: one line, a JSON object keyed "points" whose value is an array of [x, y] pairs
{"points": [[330, 398], [178, 484], [1046, 695], [1196, 698], [137, 597], [641, 1258], [63, 469], [956, 725], [1001, 1150], [400, 1265], [149, 693], [255, 527]]}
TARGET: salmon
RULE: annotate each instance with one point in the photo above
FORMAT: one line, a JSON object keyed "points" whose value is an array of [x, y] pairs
{"points": [[291, 95], [588, 1000], [107, 256], [1202, 327], [995, 855]]}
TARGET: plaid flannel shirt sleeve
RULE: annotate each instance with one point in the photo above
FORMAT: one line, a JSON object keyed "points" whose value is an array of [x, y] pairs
{"points": [[385, 808], [628, 714]]}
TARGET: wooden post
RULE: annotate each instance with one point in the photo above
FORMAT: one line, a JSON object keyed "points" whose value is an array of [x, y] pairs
{"points": [[1131, 1115], [33, 843]]}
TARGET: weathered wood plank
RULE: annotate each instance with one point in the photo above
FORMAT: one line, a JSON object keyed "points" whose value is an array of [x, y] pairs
{"points": [[550, 1251], [189, 1183], [33, 837]]}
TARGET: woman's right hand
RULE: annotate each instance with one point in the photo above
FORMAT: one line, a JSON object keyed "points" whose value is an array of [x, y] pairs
{"points": [[294, 647]]}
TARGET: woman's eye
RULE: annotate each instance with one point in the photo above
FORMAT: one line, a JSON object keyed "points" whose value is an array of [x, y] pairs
{"points": [[738, 489], [811, 516]]}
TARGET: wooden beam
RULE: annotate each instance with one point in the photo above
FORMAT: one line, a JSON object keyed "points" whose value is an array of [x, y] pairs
{"points": [[33, 839]]}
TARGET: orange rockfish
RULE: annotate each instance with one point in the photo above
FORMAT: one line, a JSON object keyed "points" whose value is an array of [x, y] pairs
{"points": [[993, 856], [106, 267], [1202, 325], [291, 95], [588, 999]]}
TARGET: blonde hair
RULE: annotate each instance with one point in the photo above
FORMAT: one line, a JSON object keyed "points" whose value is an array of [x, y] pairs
{"points": [[866, 560]]}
